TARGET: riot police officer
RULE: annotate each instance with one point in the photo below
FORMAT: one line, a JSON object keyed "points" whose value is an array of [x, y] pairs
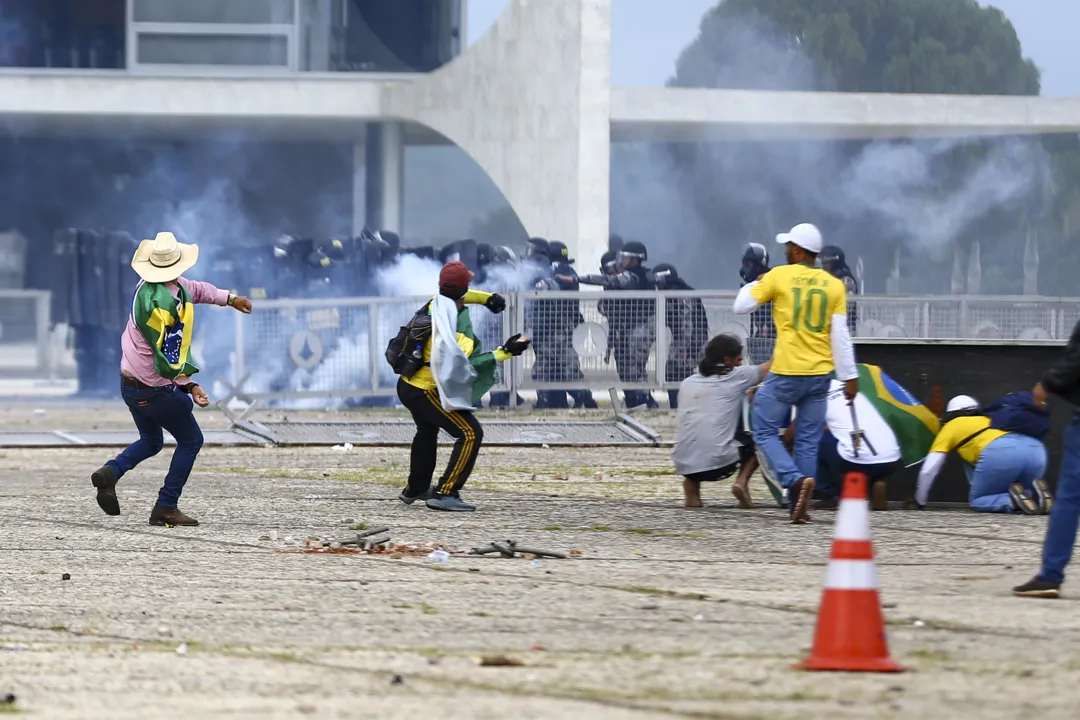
{"points": [[631, 323], [833, 262], [685, 317], [762, 337], [553, 335]]}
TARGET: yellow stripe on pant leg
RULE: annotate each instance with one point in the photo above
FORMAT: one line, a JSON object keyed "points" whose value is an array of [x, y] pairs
{"points": [[468, 439]]}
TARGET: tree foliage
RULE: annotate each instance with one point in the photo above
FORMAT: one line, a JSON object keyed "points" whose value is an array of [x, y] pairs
{"points": [[927, 196]]}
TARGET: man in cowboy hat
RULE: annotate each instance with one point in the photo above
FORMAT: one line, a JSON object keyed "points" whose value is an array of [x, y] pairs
{"points": [[156, 370]]}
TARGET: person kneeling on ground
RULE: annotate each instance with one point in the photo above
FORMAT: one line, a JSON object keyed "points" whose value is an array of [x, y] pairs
{"points": [[155, 372], [885, 429], [441, 394], [1005, 469], [710, 442]]}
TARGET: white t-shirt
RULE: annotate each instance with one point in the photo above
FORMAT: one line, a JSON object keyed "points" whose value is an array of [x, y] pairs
{"points": [[709, 412], [874, 427]]}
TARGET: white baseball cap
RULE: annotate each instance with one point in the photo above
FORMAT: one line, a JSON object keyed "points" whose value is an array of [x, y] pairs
{"points": [[805, 235], [962, 402]]}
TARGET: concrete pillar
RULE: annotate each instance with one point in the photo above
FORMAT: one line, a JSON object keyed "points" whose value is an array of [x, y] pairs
{"points": [[359, 187], [1031, 264], [892, 283], [530, 102], [956, 283], [974, 273], [385, 177]]}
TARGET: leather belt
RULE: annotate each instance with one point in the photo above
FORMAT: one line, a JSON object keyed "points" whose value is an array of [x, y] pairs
{"points": [[128, 381]]}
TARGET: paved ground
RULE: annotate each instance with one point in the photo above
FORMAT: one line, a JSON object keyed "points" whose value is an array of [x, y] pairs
{"points": [[667, 613]]}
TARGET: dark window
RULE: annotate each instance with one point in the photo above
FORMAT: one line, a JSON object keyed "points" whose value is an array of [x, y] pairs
{"points": [[62, 33], [250, 50], [267, 12]]}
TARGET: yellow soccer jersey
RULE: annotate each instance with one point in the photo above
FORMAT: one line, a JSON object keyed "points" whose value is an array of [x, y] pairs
{"points": [[804, 301]]}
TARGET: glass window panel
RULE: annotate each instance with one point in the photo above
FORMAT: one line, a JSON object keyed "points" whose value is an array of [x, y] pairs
{"points": [[214, 11], [250, 50]]}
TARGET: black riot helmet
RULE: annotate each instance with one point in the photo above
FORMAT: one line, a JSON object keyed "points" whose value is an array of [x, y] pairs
{"points": [[485, 254], [755, 262], [391, 238], [632, 252], [664, 274], [832, 259], [503, 255], [609, 263], [615, 242], [558, 252], [537, 248]]}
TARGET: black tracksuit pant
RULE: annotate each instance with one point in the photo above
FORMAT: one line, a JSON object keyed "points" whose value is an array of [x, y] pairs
{"points": [[430, 417]]}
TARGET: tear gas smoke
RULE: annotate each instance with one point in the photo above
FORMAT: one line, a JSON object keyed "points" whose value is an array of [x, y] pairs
{"points": [[697, 205]]}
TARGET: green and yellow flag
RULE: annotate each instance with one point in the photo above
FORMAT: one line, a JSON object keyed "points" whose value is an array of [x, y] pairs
{"points": [[168, 324], [912, 422]]}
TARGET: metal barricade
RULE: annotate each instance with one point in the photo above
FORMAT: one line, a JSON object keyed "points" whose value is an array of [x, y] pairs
{"points": [[313, 350], [26, 348], [309, 351]]}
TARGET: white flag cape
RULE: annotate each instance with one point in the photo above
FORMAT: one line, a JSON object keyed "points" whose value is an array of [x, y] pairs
{"points": [[450, 367]]}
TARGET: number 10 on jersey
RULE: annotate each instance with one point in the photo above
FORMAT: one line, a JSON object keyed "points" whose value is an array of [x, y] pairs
{"points": [[809, 309]]}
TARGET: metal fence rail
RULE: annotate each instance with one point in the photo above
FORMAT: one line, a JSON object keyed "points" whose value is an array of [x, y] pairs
{"points": [[309, 351], [26, 348]]}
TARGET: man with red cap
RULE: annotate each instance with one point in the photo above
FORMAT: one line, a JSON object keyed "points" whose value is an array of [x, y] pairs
{"points": [[452, 377]]}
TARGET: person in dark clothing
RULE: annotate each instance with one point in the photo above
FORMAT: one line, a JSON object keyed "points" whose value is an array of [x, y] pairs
{"points": [[833, 262], [631, 323], [423, 397], [762, 335], [685, 317], [558, 362], [1063, 380]]}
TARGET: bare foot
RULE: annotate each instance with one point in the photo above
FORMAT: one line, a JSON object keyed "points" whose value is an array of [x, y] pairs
{"points": [[742, 494], [691, 494]]}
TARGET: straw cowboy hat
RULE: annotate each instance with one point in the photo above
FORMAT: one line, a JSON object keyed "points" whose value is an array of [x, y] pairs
{"points": [[163, 259]]}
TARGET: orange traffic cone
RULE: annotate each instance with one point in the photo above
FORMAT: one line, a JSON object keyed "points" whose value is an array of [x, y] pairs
{"points": [[850, 633]]}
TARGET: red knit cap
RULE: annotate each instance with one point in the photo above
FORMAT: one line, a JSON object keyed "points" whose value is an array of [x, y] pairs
{"points": [[454, 279]]}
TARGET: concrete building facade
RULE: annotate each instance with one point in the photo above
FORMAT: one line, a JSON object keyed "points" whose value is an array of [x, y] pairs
{"points": [[531, 102]]}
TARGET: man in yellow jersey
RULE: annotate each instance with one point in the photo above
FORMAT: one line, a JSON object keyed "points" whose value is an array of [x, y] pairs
{"points": [[1005, 469], [812, 344], [435, 406]]}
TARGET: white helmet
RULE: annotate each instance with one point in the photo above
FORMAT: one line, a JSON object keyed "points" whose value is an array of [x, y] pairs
{"points": [[961, 402]]}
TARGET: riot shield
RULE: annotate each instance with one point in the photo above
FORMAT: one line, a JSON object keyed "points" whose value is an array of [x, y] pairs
{"points": [[62, 279]]}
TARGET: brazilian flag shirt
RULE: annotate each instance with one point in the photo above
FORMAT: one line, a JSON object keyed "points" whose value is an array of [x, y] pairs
{"points": [[167, 322]]}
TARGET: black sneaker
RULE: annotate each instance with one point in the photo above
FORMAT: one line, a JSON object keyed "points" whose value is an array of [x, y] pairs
{"points": [[1043, 496], [1038, 588], [410, 499], [826, 504], [799, 498], [449, 503], [1022, 501], [105, 482]]}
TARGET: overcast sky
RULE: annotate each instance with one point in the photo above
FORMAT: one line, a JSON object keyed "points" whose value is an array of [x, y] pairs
{"points": [[648, 36]]}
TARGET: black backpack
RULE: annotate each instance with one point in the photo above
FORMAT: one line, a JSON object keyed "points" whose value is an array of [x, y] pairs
{"points": [[405, 352]]}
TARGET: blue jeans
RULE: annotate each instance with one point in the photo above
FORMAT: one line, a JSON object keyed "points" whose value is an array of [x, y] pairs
{"points": [[1061, 531], [1012, 458], [772, 411], [832, 467], [153, 410]]}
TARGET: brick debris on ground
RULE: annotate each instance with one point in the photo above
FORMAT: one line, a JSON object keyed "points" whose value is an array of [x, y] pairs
{"points": [[661, 612]]}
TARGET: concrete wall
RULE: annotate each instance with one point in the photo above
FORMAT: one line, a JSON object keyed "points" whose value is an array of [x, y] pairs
{"points": [[935, 372]]}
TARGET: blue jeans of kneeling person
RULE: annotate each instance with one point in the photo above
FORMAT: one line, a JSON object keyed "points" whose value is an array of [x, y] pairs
{"points": [[152, 410], [1012, 458], [1065, 515], [772, 410]]}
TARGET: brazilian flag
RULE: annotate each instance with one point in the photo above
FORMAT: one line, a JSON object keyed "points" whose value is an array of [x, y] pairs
{"points": [[168, 324], [912, 422]]}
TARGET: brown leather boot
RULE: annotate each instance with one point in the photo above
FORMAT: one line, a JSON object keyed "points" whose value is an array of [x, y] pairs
{"points": [[105, 482], [161, 516]]}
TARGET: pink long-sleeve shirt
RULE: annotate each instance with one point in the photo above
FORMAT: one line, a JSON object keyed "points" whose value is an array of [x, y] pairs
{"points": [[138, 357]]}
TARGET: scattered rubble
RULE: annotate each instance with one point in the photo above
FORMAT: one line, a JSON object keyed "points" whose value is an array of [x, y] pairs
{"points": [[500, 661], [510, 549]]}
